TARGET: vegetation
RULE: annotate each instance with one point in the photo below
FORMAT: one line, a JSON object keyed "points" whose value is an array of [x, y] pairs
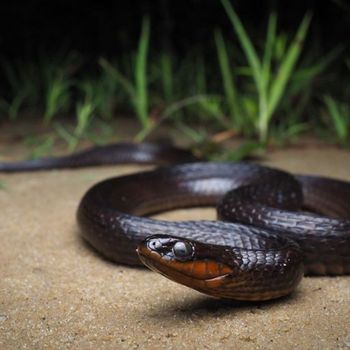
{"points": [[272, 90], [340, 119]]}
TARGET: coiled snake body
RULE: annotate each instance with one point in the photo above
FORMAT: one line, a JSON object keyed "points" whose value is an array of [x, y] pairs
{"points": [[274, 233]]}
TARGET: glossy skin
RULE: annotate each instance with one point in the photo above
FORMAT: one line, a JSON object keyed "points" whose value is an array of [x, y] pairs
{"points": [[325, 241], [255, 258], [110, 217], [118, 153]]}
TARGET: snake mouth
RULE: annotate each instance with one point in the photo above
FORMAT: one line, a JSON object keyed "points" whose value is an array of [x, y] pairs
{"points": [[191, 264], [206, 276]]}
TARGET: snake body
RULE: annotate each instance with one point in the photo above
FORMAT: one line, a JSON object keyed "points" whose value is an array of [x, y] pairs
{"points": [[259, 256], [117, 153]]}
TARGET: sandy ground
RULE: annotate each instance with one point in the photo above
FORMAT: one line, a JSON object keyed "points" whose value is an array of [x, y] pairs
{"points": [[56, 293]]}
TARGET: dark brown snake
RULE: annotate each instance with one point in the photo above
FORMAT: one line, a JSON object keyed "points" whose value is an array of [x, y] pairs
{"points": [[280, 225]]}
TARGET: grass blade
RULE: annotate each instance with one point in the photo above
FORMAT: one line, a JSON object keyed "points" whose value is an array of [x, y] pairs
{"points": [[70, 139], [340, 122], [287, 66], [57, 97], [304, 75], [245, 42], [85, 113], [228, 80], [270, 41]]}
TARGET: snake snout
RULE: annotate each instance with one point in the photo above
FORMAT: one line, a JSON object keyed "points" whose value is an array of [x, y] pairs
{"points": [[167, 247], [183, 261]]}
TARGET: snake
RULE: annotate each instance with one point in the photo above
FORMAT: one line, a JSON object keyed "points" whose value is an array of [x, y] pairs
{"points": [[273, 227]]}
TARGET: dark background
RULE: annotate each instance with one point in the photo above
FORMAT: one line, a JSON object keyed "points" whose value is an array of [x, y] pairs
{"points": [[108, 28]]}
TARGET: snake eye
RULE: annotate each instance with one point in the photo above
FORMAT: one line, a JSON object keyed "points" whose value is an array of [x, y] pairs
{"points": [[182, 250]]}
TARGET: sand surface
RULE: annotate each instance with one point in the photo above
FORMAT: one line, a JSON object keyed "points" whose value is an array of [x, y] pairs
{"points": [[56, 293]]}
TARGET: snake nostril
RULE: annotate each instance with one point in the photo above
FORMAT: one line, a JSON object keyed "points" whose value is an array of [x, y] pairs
{"points": [[155, 245]]}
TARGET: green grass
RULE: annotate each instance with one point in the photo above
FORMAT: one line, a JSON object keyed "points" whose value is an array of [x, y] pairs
{"points": [[270, 84], [136, 89], [43, 85], [229, 84], [267, 90], [339, 114], [23, 83], [40, 146]]}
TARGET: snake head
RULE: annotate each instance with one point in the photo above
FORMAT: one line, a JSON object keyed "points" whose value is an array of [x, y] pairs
{"points": [[185, 261], [221, 271]]}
